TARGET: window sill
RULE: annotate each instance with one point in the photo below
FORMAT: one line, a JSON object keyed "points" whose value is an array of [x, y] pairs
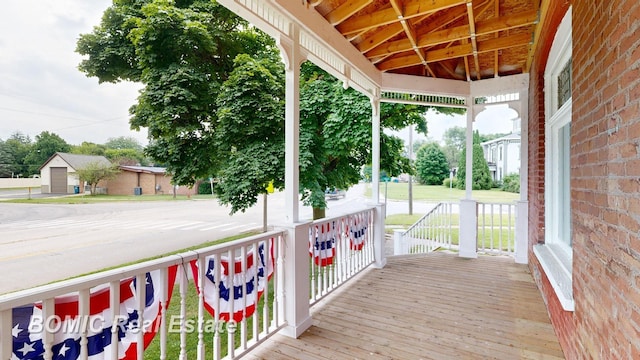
{"points": [[558, 272]]}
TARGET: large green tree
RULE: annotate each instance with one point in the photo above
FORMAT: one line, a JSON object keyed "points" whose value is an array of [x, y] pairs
{"points": [[431, 164], [181, 52]]}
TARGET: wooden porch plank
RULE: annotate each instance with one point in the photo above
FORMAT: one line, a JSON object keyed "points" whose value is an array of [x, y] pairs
{"points": [[435, 306]]}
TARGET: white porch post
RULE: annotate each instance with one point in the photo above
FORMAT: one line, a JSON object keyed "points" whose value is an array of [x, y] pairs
{"points": [[468, 207], [375, 150], [522, 206], [295, 286]]}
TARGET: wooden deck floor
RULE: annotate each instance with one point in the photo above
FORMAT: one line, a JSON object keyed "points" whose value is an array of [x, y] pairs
{"points": [[435, 306]]}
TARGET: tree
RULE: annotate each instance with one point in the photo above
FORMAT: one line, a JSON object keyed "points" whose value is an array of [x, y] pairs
{"points": [[19, 145], [6, 160], [95, 171], [44, 147], [89, 148], [481, 176], [454, 141], [126, 156], [124, 142], [431, 164], [181, 52]]}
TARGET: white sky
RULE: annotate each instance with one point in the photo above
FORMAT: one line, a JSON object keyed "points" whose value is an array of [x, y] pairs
{"points": [[41, 88]]}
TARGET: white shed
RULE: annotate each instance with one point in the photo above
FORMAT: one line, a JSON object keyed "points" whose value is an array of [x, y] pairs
{"points": [[58, 173]]}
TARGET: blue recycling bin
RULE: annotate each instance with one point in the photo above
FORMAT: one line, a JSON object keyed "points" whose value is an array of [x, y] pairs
{"points": [[76, 189]]}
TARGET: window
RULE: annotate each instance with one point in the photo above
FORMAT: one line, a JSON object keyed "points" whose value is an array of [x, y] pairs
{"points": [[556, 255]]}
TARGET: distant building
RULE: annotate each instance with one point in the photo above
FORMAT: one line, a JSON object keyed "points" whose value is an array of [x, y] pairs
{"points": [[58, 173], [503, 154], [59, 176]]}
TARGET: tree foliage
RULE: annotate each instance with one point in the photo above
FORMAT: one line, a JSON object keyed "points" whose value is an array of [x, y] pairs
{"points": [[124, 142], [6, 160], [95, 171], [89, 148], [481, 175], [19, 145], [431, 164], [46, 144]]}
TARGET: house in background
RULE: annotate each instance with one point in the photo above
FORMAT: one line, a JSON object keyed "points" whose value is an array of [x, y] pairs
{"points": [[143, 180], [503, 154], [58, 173]]}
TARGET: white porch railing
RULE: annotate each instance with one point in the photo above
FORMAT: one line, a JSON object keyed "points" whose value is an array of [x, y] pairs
{"points": [[440, 229], [107, 314], [497, 228], [340, 247], [435, 230]]}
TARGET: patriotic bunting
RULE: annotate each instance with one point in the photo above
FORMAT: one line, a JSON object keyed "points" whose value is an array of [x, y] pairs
{"points": [[227, 286], [67, 325], [357, 231], [322, 243]]}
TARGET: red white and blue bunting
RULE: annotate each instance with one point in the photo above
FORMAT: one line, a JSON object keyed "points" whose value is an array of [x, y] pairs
{"points": [[218, 294], [322, 243]]}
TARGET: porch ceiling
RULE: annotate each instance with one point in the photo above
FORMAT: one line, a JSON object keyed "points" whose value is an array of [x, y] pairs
{"points": [[463, 40]]}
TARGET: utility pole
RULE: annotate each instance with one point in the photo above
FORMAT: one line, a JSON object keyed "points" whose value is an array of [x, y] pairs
{"points": [[411, 177]]}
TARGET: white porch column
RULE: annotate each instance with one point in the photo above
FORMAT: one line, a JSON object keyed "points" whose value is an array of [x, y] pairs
{"points": [[379, 237], [468, 208], [295, 276], [292, 56], [522, 206], [296, 286], [375, 150]]}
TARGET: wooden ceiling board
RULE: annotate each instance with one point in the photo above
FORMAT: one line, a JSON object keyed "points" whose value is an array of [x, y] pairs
{"points": [[452, 39]]}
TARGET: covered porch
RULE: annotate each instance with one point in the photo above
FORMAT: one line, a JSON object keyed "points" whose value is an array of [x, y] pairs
{"points": [[432, 306]]}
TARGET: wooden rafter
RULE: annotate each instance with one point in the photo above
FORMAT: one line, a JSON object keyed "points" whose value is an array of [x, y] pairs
{"points": [[412, 8], [457, 51], [344, 11], [439, 38]]}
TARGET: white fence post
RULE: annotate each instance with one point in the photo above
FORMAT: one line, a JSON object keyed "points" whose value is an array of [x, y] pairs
{"points": [[296, 279], [522, 232], [399, 243], [468, 229], [379, 237]]}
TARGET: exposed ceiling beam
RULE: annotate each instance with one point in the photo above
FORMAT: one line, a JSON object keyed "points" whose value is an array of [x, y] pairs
{"points": [[411, 8], [344, 11], [474, 43], [456, 51], [456, 34]]}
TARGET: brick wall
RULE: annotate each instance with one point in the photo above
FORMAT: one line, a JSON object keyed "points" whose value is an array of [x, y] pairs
{"points": [[605, 179]]}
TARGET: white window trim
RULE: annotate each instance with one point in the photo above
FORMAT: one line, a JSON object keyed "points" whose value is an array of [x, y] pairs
{"points": [[556, 258]]}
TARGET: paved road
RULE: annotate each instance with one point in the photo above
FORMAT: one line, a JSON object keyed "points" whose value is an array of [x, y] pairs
{"points": [[43, 243]]}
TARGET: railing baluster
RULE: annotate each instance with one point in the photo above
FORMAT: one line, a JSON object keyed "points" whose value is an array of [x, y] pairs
{"points": [[231, 329], [114, 305], [183, 313], [243, 288], [48, 312], [216, 305], [141, 293], [6, 342], [202, 268], [83, 316]]}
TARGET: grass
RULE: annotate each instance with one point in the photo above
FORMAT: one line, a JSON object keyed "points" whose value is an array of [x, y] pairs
{"points": [[437, 193], [94, 199]]}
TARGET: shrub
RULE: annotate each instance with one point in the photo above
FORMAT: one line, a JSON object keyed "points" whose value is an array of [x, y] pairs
{"points": [[450, 183], [511, 183], [205, 187]]}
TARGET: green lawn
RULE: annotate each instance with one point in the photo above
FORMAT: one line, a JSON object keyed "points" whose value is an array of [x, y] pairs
{"points": [[437, 193]]}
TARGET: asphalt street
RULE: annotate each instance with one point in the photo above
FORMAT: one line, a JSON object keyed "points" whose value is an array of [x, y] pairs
{"points": [[41, 243]]}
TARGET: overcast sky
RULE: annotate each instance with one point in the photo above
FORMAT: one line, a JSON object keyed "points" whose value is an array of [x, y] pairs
{"points": [[41, 88]]}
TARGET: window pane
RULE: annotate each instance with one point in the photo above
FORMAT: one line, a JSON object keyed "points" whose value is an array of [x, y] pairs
{"points": [[564, 183]]}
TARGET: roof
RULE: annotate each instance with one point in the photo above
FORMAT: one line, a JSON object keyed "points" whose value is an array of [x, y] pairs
{"points": [[510, 137], [450, 39], [144, 169], [78, 161]]}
